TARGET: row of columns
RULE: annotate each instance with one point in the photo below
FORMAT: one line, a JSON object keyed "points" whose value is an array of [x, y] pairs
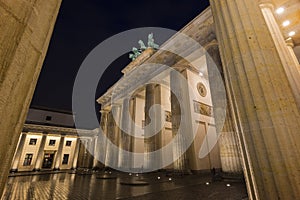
{"points": [[181, 127], [40, 153]]}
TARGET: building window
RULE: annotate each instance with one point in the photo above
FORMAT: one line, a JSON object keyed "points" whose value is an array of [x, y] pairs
{"points": [[52, 142], [48, 118], [32, 141], [68, 143], [28, 159], [65, 159]]}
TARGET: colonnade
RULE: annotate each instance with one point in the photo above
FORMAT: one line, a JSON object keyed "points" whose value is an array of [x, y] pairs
{"points": [[123, 114]]}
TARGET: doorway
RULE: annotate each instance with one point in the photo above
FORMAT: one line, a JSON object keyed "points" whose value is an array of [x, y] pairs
{"points": [[48, 160]]}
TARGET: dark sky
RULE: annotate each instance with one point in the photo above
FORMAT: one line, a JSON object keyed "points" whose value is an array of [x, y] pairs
{"points": [[83, 24]]}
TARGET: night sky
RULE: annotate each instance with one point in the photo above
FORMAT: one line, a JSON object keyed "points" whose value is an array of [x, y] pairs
{"points": [[83, 24]]}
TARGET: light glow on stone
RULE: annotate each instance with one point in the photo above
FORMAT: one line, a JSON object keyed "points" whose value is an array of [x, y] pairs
{"points": [[228, 185], [286, 23], [170, 179], [280, 10], [207, 183], [292, 33], [158, 178]]}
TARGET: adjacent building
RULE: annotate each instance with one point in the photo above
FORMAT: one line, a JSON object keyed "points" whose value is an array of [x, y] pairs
{"points": [[49, 141]]}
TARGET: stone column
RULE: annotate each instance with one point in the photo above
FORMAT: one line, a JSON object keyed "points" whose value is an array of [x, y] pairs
{"points": [[18, 153], [58, 159], [290, 46], [132, 110], [125, 141], [290, 67], [81, 153], [90, 146], [39, 159], [229, 152], [181, 109], [26, 28], [76, 154], [97, 151], [264, 106], [113, 134], [153, 125], [103, 128]]}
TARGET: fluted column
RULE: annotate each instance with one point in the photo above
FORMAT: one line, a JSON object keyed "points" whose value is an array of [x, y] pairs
{"points": [[113, 134], [290, 67], [90, 151], [103, 129], [58, 159], [181, 110], [290, 46], [229, 152], [19, 150], [264, 105], [26, 28], [81, 153], [125, 141], [153, 123], [97, 153], [76, 154], [39, 159]]}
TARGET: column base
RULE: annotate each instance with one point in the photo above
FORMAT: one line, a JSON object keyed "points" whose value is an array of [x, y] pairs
{"points": [[36, 169]]}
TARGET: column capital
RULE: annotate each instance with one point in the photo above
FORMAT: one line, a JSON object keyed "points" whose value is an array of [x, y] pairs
{"points": [[266, 4], [290, 42]]}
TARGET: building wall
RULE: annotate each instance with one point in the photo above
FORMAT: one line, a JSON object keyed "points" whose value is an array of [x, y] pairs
{"points": [[30, 149], [206, 135], [49, 117], [46, 149], [69, 150]]}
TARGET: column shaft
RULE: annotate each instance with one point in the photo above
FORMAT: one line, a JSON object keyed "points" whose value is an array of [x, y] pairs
{"points": [[181, 110], [153, 121], [76, 154], [58, 159], [290, 46], [264, 105], [102, 143], [113, 134], [19, 150], [97, 152], [26, 28], [125, 142], [39, 159]]}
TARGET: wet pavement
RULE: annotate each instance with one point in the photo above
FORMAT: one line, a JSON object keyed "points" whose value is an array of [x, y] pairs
{"points": [[122, 186]]}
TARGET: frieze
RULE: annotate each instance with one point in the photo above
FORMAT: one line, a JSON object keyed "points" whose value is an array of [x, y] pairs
{"points": [[203, 109]]}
